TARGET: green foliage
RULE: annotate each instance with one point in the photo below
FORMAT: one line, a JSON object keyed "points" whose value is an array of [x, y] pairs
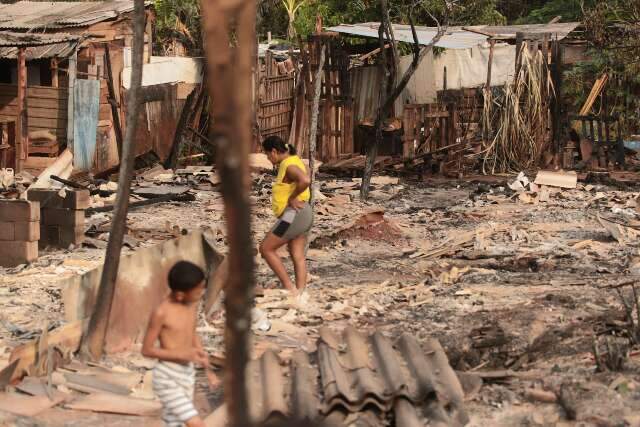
{"points": [[569, 10], [178, 20], [612, 32]]}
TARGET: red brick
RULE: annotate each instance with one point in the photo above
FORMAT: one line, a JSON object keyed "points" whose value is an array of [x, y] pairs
{"points": [[19, 210], [20, 231], [65, 217], [59, 236], [16, 253], [74, 199]]}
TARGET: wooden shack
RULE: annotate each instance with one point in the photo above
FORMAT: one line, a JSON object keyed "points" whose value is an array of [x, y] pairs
{"points": [[72, 77]]}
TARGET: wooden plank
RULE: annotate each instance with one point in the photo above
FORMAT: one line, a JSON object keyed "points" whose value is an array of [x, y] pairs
{"points": [[115, 404], [45, 113], [28, 406], [6, 100], [46, 123]]}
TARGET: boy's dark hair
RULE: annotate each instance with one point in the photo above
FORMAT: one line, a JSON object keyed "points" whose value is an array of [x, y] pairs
{"points": [[276, 142], [185, 276]]}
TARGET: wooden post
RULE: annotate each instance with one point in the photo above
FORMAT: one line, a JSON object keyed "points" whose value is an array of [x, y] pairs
{"points": [[315, 111], [492, 45], [519, 42], [229, 72], [557, 110], [22, 140], [444, 79], [73, 61], [113, 101], [54, 72], [93, 342]]}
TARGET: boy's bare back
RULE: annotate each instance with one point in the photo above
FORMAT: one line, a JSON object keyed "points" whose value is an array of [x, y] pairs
{"points": [[173, 323], [178, 324]]}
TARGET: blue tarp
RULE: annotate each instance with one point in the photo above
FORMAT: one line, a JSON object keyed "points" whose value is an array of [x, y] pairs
{"points": [[85, 122]]}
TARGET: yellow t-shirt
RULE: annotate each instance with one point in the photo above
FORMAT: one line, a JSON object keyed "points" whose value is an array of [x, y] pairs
{"points": [[281, 190]]}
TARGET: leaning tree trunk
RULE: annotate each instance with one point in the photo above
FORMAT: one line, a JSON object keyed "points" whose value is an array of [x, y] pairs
{"points": [[389, 94], [94, 340]]}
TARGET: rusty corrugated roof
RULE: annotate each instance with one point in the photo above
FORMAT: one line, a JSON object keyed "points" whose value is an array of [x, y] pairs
{"points": [[57, 45], [359, 377], [25, 15]]}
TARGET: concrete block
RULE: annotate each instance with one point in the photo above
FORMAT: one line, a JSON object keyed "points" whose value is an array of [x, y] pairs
{"points": [[19, 210], [16, 253], [20, 231], [74, 199], [65, 217]]}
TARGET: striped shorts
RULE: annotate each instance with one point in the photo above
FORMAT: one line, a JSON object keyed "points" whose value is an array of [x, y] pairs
{"points": [[174, 385]]}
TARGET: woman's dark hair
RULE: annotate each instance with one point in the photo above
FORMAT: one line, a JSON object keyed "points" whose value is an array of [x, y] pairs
{"points": [[280, 146]]}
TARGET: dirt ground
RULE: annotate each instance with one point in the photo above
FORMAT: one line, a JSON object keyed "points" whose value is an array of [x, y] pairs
{"points": [[514, 286]]}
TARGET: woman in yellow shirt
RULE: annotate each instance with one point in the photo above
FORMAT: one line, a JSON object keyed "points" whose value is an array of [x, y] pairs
{"points": [[290, 197]]}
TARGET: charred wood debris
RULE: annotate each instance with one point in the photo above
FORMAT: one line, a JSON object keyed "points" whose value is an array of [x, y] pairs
{"points": [[412, 318]]}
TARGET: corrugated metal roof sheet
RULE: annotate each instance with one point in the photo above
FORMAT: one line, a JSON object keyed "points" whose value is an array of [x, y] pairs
{"points": [[28, 14], [359, 377], [455, 37], [12, 39], [58, 45], [562, 30]]}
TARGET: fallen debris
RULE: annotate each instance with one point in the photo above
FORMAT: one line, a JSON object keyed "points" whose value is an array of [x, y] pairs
{"points": [[557, 179]]}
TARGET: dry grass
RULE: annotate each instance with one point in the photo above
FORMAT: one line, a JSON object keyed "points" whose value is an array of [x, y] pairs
{"points": [[520, 118]]}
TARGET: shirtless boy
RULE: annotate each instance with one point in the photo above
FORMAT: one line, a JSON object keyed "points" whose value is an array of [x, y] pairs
{"points": [[173, 323]]}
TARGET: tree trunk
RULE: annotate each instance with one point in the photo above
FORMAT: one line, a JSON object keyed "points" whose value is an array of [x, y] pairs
{"points": [[313, 131], [93, 343], [388, 97], [291, 30], [230, 86], [372, 146]]}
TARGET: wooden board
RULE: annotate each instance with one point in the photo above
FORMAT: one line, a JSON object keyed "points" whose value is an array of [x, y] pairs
{"points": [[28, 406], [557, 179], [114, 404]]}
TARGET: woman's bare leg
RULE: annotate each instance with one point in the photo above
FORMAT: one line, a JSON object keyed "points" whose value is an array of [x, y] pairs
{"points": [[297, 251], [268, 250]]}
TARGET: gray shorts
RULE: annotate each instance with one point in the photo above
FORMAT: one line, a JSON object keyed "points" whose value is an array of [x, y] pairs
{"points": [[292, 223]]}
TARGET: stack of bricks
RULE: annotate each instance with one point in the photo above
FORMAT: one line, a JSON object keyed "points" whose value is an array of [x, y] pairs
{"points": [[19, 232], [61, 216]]}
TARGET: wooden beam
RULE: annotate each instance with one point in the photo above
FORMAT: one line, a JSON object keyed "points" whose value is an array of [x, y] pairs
{"points": [[115, 114], [54, 72], [372, 53], [22, 140], [73, 61], [492, 45]]}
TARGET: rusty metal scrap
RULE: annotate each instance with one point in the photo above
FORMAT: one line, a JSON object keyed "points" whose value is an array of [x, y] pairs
{"points": [[359, 377]]}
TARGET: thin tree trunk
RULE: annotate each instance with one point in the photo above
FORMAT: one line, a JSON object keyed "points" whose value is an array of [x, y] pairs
{"points": [[372, 146], [291, 30], [229, 73], [396, 89], [313, 131], [93, 343]]}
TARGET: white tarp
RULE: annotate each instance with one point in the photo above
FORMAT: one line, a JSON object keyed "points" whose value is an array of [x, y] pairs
{"points": [[466, 68], [167, 69]]}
